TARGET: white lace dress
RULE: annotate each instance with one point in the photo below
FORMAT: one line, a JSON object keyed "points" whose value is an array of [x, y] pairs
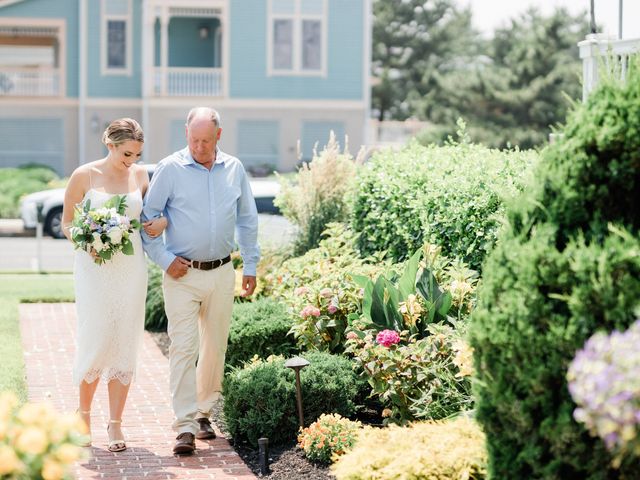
{"points": [[110, 301]]}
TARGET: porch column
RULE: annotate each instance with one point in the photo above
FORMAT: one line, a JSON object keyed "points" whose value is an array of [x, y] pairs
{"points": [[164, 50]]}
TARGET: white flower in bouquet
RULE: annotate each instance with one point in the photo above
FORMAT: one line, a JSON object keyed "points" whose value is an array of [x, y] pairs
{"points": [[115, 235], [105, 230], [97, 243]]}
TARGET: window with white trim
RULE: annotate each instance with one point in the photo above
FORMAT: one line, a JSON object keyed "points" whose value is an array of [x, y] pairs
{"points": [[116, 49], [297, 42]]}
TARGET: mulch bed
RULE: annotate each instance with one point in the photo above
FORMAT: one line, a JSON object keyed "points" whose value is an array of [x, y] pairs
{"points": [[286, 462]]}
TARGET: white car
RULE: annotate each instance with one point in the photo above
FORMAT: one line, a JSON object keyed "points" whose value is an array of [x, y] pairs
{"points": [[51, 200]]}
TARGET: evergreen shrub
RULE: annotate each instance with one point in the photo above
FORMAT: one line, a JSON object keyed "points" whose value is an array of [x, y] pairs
{"points": [[260, 398], [451, 196], [567, 265], [155, 320], [259, 329]]}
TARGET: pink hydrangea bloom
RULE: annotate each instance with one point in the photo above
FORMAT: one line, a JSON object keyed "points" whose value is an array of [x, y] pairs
{"points": [[352, 335], [301, 291], [332, 309], [386, 338], [310, 310], [326, 292]]}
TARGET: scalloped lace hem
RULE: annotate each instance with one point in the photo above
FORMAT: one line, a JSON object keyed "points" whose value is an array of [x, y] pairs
{"points": [[124, 377]]}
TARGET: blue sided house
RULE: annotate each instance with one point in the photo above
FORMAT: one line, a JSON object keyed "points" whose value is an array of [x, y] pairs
{"points": [[282, 74]]}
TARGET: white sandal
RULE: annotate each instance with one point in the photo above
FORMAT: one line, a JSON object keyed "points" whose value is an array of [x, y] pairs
{"points": [[118, 444], [87, 443]]}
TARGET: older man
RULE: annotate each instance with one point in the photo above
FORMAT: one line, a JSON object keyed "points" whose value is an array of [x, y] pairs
{"points": [[205, 195]]}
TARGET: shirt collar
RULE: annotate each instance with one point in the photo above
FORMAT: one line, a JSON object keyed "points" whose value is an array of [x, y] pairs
{"points": [[187, 159]]}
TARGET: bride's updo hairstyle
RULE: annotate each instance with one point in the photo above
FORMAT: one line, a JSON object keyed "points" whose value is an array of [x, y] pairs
{"points": [[122, 130]]}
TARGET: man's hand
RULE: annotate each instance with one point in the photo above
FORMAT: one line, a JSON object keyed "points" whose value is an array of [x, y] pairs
{"points": [[179, 268], [248, 285]]}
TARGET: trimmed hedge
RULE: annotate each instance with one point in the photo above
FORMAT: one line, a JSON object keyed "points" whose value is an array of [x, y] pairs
{"points": [[259, 328], [567, 265], [260, 399], [451, 196]]}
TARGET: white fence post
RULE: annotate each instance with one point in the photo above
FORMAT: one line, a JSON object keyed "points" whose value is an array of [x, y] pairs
{"points": [[590, 55]]}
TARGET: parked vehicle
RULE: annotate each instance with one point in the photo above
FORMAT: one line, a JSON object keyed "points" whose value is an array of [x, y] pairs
{"points": [[52, 200]]}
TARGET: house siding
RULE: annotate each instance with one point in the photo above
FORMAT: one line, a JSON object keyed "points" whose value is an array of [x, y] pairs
{"points": [[248, 62], [117, 86]]}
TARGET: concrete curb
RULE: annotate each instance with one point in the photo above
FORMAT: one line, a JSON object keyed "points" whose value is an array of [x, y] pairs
{"points": [[14, 227]]}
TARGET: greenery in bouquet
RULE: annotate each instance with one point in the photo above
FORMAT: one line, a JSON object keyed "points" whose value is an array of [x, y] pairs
{"points": [[604, 383], [36, 441], [321, 296], [328, 437], [105, 230]]}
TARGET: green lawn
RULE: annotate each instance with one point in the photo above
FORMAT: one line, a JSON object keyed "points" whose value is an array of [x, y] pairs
{"points": [[16, 288]]}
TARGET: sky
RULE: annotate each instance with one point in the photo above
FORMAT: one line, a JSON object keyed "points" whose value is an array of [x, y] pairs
{"points": [[489, 14]]}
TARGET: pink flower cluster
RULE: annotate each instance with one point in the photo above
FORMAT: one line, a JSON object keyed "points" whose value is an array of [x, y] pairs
{"points": [[386, 338], [309, 311]]}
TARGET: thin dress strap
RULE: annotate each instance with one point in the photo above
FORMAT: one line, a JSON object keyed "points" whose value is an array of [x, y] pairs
{"points": [[135, 177]]}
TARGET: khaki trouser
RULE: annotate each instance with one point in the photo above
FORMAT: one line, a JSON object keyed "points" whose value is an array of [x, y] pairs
{"points": [[198, 307]]}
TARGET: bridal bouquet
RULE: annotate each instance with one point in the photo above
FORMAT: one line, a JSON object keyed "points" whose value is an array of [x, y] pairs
{"points": [[106, 229]]}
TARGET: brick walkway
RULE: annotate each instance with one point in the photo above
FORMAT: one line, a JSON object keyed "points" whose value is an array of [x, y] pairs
{"points": [[48, 332]]}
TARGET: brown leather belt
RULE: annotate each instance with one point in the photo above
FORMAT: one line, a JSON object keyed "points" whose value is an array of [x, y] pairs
{"points": [[211, 264]]}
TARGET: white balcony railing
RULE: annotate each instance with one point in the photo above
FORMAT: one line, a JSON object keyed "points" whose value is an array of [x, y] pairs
{"points": [[29, 82], [598, 50], [188, 82]]}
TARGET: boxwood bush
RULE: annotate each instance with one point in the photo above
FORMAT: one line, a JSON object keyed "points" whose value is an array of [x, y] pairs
{"points": [[566, 265], [260, 399], [452, 196], [259, 328]]}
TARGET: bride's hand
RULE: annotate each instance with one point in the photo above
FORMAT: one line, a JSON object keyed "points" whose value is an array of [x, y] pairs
{"points": [[154, 227], [94, 254]]}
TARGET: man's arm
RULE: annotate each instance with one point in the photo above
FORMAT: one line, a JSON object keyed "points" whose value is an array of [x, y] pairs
{"points": [[247, 233], [155, 202]]}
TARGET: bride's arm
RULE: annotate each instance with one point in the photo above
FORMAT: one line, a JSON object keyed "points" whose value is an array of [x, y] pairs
{"points": [[73, 195], [155, 226]]}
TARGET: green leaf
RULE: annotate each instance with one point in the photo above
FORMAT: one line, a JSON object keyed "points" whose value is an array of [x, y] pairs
{"points": [[127, 247], [407, 283]]}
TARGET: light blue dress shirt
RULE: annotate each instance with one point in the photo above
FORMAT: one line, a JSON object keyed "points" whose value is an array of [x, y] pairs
{"points": [[203, 208]]}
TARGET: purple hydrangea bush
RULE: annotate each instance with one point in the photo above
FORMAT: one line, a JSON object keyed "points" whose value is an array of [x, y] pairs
{"points": [[604, 382]]}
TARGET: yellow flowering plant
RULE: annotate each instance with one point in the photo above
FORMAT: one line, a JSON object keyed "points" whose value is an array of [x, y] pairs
{"points": [[328, 437], [36, 442]]}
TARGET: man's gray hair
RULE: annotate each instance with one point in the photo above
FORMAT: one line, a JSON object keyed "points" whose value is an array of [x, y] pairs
{"points": [[213, 115]]}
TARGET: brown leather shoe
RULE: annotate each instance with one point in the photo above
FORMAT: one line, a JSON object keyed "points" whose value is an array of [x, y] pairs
{"points": [[185, 444], [206, 431]]}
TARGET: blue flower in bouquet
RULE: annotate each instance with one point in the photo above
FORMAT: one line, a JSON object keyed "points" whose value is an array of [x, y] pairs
{"points": [[605, 385], [105, 230]]}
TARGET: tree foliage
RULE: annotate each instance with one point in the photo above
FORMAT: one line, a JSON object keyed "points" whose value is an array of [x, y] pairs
{"points": [[414, 41], [430, 64]]}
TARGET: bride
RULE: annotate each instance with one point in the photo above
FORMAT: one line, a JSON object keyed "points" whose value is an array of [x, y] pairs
{"points": [[110, 297]]}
